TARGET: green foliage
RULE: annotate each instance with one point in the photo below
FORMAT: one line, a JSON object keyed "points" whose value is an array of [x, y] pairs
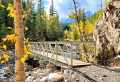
{"points": [[96, 17], [3, 31]]}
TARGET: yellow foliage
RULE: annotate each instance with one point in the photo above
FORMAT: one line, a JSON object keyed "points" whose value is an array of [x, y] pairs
{"points": [[53, 22], [11, 9], [26, 28], [85, 29], [5, 47], [10, 52], [42, 17], [89, 27], [11, 37], [9, 27], [72, 15], [23, 60], [2, 6], [6, 57], [4, 39], [25, 68], [107, 2], [2, 62], [0, 57]]}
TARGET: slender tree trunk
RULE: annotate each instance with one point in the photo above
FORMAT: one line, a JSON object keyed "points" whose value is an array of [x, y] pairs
{"points": [[81, 37], [19, 45]]}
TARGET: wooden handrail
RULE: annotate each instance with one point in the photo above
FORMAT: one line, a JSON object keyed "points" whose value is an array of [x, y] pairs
{"points": [[64, 48]]}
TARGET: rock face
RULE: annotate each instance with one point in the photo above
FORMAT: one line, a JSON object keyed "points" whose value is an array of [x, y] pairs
{"points": [[107, 32]]}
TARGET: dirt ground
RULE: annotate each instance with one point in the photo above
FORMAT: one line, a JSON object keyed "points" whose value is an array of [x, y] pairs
{"points": [[92, 74]]}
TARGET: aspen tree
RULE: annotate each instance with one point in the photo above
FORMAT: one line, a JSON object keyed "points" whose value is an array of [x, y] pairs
{"points": [[19, 45]]}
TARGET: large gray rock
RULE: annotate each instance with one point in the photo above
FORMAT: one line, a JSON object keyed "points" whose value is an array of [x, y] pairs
{"points": [[107, 32]]}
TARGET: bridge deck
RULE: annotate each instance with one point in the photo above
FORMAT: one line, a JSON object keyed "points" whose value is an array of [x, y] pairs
{"points": [[76, 63]]}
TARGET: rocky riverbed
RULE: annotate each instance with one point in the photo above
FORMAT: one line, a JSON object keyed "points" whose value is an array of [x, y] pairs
{"points": [[80, 74]]}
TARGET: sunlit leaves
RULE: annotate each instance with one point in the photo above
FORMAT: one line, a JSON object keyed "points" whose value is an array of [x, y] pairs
{"points": [[86, 29], [10, 8], [89, 27], [44, 16], [11, 37], [72, 15], [53, 22], [24, 14], [26, 28], [2, 6], [5, 47], [23, 60], [9, 27], [2, 62], [107, 2], [6, 57]]}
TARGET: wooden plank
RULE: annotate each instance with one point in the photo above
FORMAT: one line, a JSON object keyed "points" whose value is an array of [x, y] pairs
{"points": [[76, 63]]}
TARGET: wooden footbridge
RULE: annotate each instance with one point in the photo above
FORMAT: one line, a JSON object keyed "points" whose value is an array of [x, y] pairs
{"points": [[66, 53]]}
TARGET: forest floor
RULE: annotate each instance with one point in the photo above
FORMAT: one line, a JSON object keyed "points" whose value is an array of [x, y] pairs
{"points": [[90, 73]]}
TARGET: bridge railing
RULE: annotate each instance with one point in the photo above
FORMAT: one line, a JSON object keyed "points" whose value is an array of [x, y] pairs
{"points": [[75, 50]]}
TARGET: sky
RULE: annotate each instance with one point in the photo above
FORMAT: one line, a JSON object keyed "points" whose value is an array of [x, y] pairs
{"points": [[65, 7]]}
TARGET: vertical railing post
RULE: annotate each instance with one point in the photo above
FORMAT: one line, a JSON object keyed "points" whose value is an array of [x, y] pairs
{"points": [[71, 54], [95, 53], [56, 52], [47, 50], [76, 51]]}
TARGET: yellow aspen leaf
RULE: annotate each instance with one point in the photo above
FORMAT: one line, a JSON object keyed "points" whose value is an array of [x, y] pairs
{"points": [[10, 52], [2, 6], [31, 53], [26, 68], [9, 27], [42, 17], [23, 60], [26, 28], [5, 47], [2, 62], [26, 56], [0, 57], [6, 58]]}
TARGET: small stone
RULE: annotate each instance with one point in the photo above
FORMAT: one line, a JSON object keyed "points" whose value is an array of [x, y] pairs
{"points": [[44, 79], [71, 72], [37, 80], [57, 77], [39, 71], [66, 71], [29, 78], [40, 75], [101, 78], [77, 80], [33, 73], [66, 80], [104, 75]]}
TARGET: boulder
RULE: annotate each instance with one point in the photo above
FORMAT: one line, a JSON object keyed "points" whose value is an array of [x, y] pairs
{"points": [[55, 77], [107, 32]]}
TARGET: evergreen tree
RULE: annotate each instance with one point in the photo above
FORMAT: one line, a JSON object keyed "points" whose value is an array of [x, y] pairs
{"points": [[40, 22]]}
